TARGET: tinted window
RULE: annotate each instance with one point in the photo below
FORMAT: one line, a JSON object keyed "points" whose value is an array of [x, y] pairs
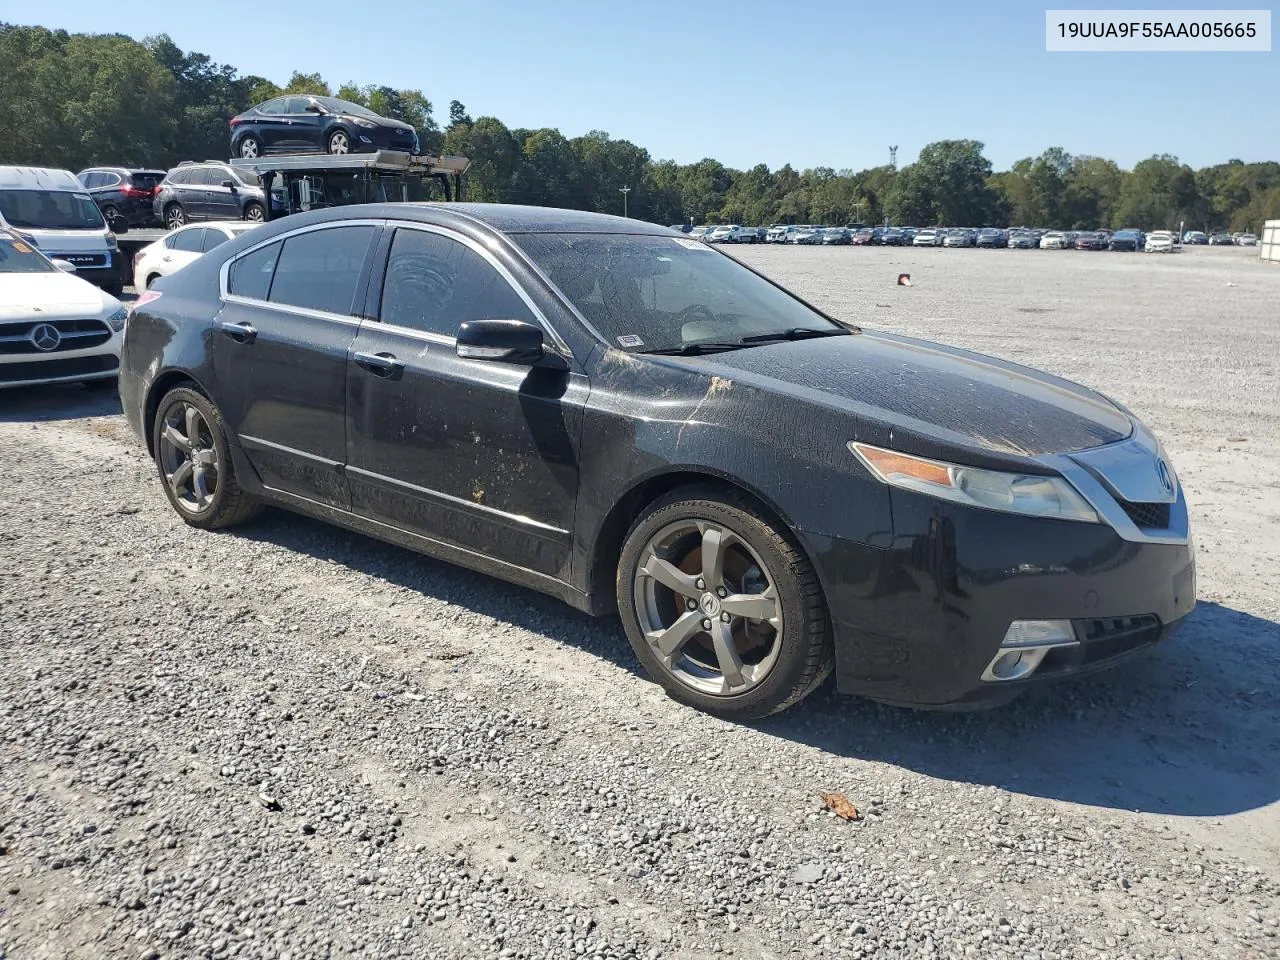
{"points": [[211, 176], [273, 106], [659, 293], [319, 270], [146, 179], [296, 105], [50, 210], [91, 179], [187, 240], [180, 176], [214, 237], [434, 283], [109, 179], [251, 274]]}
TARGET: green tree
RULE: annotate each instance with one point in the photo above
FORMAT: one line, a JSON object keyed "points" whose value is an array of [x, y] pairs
{"points": [[947, 184]]}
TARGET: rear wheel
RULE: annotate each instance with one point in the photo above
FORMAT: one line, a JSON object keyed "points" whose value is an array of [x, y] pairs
{"points": [[339, 142], [250, 148], [110, 211], [195, 464], [174, 216], [253, 212], [721, 606]]}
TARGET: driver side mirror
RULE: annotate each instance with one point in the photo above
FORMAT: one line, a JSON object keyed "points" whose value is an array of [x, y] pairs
{"points": [[228, 183], [66, 266], [314, 108], [508, 341]]}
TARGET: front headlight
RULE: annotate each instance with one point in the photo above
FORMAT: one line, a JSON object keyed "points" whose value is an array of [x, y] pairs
{"points": [[364, 123], [117, 319], [1029, 494]]}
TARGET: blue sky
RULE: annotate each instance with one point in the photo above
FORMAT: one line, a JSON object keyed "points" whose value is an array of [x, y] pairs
{"points": [[813, 82]]}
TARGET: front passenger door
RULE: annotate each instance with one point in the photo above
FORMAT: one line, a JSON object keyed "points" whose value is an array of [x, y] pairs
{"points": [[478, 454]]}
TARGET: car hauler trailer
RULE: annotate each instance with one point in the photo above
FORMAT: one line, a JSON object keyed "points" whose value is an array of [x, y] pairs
{"points": [[315, 181]]}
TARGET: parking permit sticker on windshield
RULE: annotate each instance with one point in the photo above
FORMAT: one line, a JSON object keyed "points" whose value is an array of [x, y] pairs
{"points": [[630, 340], [21, 247], [691, 244]]}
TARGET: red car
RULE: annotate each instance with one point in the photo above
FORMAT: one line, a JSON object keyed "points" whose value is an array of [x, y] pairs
{"points": [[862, 237], [1091, 241]]}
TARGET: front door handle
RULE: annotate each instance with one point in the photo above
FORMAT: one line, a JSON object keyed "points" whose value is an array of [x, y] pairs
{"points": [[383, 365], [239, 332]]}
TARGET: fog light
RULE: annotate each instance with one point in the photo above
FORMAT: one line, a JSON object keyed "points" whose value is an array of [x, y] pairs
{"points": [[1025, 645]]}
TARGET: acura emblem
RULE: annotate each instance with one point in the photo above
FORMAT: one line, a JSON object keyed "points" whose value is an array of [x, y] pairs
{"points": [[45, 336], [1162, 469]]}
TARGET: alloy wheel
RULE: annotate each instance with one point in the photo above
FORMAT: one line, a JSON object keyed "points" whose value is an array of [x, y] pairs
{"points": [[175, 217], [339, 144], [253, 213], [708, 607], [189, 458], [249, 149]]}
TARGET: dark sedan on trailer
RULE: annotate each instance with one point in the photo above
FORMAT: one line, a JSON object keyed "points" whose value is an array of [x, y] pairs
{"points": [[301, 123], [632, 421]]}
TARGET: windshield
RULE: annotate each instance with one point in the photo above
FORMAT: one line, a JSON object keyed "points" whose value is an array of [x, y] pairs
{"points": [[50, 210], [19, 257], [647, 293], [334, 105]]}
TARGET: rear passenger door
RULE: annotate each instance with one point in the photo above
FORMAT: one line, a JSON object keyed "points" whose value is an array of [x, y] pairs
{"points": [[281, 348], [272, 122], [477, 454]]}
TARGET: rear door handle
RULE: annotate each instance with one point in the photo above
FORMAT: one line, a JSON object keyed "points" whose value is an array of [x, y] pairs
{"points": [[239, 332], [383, 365]]}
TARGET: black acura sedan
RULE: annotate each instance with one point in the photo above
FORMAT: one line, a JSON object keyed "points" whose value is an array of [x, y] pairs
{"points": [[635, 422], [303, 123]]}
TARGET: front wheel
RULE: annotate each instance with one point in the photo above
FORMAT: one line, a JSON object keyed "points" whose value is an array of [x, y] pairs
{"points": [[253, 212], [195, 464], [721, 606], [174, 216], [339, 142]]}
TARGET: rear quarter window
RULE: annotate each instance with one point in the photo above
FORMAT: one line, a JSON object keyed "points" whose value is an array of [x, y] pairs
{"points": [[251, 275]]}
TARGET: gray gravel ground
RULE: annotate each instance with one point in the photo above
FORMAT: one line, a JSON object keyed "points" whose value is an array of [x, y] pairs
{"points": [[293, 741]]}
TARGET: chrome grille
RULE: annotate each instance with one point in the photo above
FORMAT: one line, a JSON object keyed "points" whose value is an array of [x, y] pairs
{"points": [[16, 336]]}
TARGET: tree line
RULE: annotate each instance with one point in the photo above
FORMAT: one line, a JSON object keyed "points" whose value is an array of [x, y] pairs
{"points": [[76, 100]]}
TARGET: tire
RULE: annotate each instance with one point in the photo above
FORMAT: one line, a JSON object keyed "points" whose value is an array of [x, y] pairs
{"points": [[339, 142], [174, 216], [254, 213], [250, 148], [782, 654], [109, 211], [188, 487]]}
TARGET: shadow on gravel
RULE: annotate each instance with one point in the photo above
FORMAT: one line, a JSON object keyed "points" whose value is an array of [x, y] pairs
{"points": [[62, 401], [475, 592], [1192, 729]]}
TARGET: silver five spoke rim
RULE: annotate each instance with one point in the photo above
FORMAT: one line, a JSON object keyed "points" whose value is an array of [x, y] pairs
{"points": [[249, 149], [189, 458], [338, 143], [708, 607]]}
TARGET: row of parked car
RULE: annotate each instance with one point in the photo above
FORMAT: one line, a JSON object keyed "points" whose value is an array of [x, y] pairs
{"points": [[205, 190], [1017, 238]]}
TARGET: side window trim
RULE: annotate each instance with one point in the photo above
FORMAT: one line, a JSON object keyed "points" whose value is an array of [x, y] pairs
{"points": [[373, 305], [224, 274]]}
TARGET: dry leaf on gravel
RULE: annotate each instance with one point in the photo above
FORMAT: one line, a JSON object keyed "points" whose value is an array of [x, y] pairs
{"points": [[839, 804]]}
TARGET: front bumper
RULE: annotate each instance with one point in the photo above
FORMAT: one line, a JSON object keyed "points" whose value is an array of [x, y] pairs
{"points": [[66, 366], [918, 623]]}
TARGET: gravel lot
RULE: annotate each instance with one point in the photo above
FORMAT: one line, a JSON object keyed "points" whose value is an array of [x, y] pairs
{"points": [[293, 741]]}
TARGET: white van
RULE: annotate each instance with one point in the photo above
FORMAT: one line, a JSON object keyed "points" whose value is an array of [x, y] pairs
{"points": [[52, 210]]}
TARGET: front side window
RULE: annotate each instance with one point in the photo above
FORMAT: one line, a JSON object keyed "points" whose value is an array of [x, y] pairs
{"points": [[50, 210], [18, 256], [434, 284], [648, 293], [320, 270], [251, 274], [188, 241]]}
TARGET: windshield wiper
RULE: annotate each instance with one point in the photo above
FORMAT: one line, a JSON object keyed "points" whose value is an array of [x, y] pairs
{"points": [[794, 333], [700, 346]]}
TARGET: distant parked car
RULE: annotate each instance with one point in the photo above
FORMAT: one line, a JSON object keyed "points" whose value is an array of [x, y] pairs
{"points": [[909, 236], [862, 237], [1221, 240], [302, 123], [1126, 240], [744, 235], [1195, 238], [1161, 241], [54, 326], [682, 227], [1246, 240], [776, 233], [1090, 241], [700, 233], [991, 238], [958, 238], [1054, 240], [1021, 240], [892, 237], [723, 233], [805, 235], [178, 248], [928, 237], [123, 192], [835, 236], [212, 191]]}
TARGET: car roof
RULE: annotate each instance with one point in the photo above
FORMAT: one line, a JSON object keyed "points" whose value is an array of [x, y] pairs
{"points": [[38, 178], [509, 218]]}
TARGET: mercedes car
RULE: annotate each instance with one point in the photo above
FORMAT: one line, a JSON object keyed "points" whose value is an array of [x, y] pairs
{"points": [[641, 425]]}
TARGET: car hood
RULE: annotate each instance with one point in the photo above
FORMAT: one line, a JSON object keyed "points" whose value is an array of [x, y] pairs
{"points": [[49, 296], [933, 392]]}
